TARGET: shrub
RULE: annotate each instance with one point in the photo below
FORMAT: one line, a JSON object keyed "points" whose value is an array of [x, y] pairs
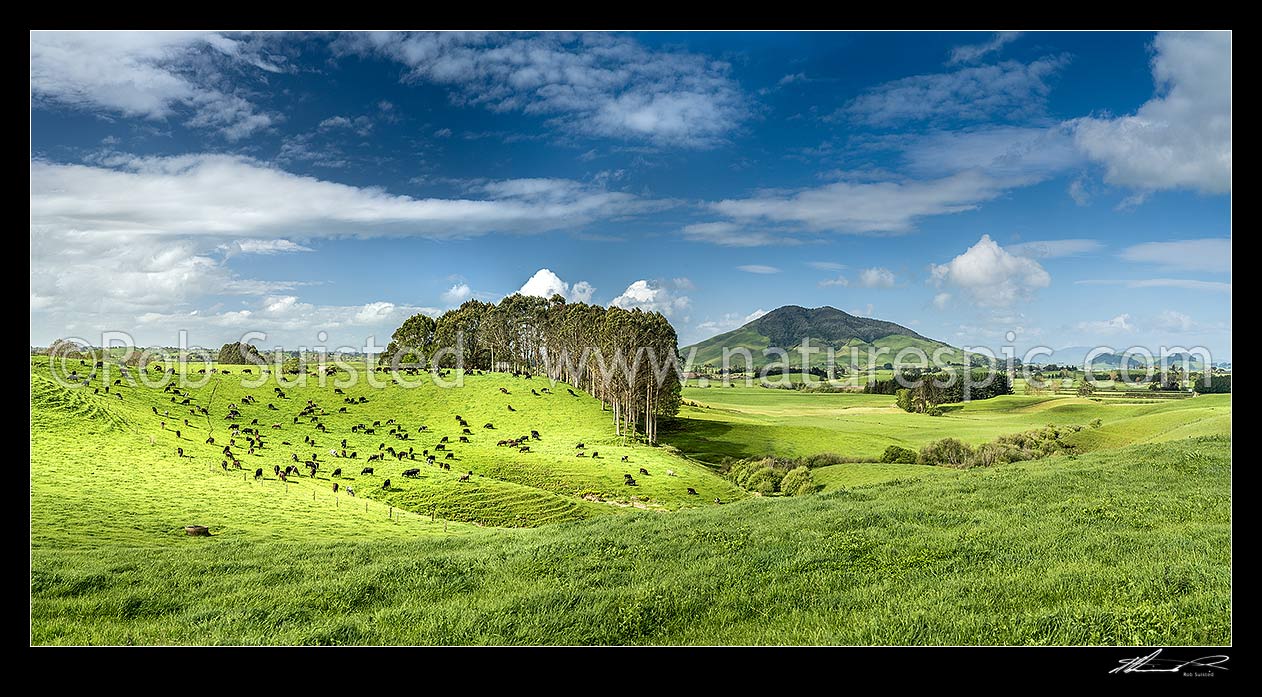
{"points": [[903, 399], [947, 452], [935, 411], [900, 455], [798, 482], [764, 481], [1097, 423], [991, 454]]}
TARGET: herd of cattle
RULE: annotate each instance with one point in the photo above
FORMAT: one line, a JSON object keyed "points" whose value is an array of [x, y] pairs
{"points": [[253, 442]]}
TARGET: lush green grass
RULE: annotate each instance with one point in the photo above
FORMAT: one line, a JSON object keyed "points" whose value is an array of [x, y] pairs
{"points": [[73, 427], [1117, 547], [744, 422]]}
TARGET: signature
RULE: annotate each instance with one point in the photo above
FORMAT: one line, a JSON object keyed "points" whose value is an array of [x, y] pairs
{"points": [[1152, 664]]}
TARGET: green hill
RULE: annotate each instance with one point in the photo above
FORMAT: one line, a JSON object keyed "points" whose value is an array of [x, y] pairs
{"points": [[827, 327]]}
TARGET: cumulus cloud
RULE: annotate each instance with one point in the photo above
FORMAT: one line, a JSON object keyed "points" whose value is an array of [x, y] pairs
{"points": [[1211, 254], [838, 282], [149, 74], [1173, 321], [1181, 138], [990, 275], [1009, 90], [1181, 283], [590, 84], [1120, 324], [653, 296], [974, 52], [1055, 249], [457, 294], [232, 196], [856, 206], [876, 277], [758, 268], [545, 284]]}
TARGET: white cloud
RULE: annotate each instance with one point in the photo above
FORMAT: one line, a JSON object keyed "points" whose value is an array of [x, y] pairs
{"points": [[1173, 321], [1080, 191], [758, 268], [838, 282], [732, 235], [1025, 153], [1182, 283], [876, 277], [866, 207], [544, 284], [227, 196], [1181, 138], [276, 246], [941, 300], [1055, 249], [1007, 90], [973, 52], [826, 265], [1120, 324], [727, 323], [653, 296], [148, 74], [457, 294], [1211, 254], [990, 275], [592, 84], [442, 133]]}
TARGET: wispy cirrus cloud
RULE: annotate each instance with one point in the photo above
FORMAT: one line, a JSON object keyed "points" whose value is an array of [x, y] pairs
{"points": [[1055, 249], [970, 53], [1181, 283], [758, 268], [1211, 254], [153, 75], [587, 84], [1005, 91]]}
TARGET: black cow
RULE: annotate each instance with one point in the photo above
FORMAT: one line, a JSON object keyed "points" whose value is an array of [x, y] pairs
{"points": [[258, 473], [366, 470], [411, 472], [692, 491], [644, 472], [385, 484]]}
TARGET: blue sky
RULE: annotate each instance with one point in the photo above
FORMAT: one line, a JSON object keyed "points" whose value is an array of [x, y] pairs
{"points": [[1070, 188]]}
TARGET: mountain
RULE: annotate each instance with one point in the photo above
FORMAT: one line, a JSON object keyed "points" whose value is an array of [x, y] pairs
{"points": [[789, 326], [1075, 355]]}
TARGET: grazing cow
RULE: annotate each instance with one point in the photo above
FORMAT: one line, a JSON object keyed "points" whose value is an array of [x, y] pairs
{"points": [[580, 454], [155, 409], [717, 500], [366, 470], [580, 446], [337, 472], [488, 425], [464, 439], [630, 481], [354, 455], [443, 439], [670, 473], [644, 472], [524, 449], [385, 484], [535, 435], [282, 476], [179, 451], [335, 487], [177, 434], [338, 390], [692, 491], [465, 477], [595, 454], [571, 392], [258, 473], [505, 390], [276, 469], [510, 408], [224, 464], [626, 458], [210, 440], [450, 456], [350, 490], [275, 425], [535, 393], [411, 472]]}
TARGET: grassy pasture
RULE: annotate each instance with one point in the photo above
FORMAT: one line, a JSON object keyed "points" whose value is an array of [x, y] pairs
{"points": [[751, 422]]}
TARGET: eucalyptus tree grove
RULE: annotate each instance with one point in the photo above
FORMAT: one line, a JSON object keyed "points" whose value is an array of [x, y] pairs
{"points": [[628, 359]]}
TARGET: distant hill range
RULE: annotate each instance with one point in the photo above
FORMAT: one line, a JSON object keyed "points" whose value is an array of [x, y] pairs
{"points": [[789, 326], [1075, 355]]}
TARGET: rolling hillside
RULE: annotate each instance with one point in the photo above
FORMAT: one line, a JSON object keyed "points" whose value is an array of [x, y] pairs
{"points": [[789, 326]]}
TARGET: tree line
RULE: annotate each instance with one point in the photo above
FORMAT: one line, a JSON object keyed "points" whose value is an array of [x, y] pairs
{"points": [[628, 359]]}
